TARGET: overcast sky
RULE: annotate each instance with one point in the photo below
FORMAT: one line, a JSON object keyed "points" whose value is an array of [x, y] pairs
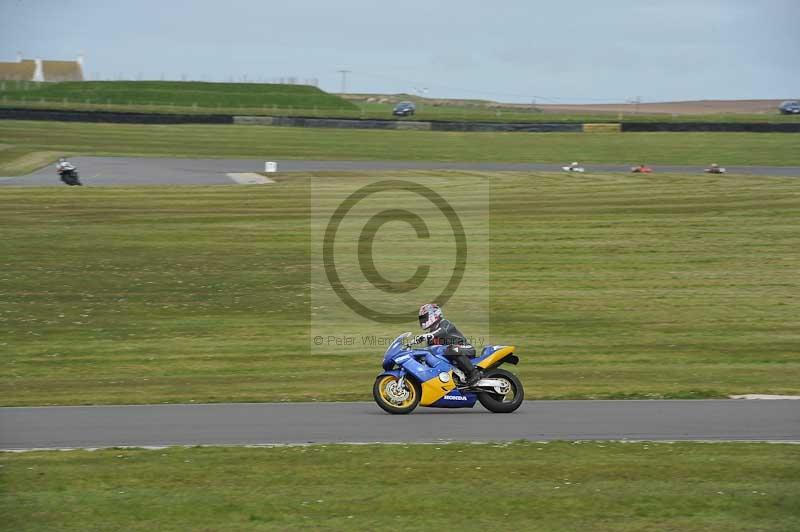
{"points": [[562, 51]]}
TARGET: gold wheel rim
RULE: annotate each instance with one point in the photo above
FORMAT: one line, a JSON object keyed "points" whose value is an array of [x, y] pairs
{"points": [[412, 393]]}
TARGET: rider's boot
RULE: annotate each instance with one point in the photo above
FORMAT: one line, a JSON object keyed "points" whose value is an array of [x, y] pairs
{"points": [[472, 373], [474, 376]]}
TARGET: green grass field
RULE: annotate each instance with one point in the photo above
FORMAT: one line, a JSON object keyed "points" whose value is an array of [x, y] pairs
{"points": [[598, 486], [612, 286], [35, 142]]}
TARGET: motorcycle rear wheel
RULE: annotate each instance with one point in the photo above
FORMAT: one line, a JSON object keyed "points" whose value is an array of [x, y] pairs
{"points": [[503, 404], [383, 394]]}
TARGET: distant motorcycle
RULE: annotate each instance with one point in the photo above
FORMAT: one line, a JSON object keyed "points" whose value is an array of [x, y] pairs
{"points": [[714, 169], [573, 169], [642, 169], [68, 174]]}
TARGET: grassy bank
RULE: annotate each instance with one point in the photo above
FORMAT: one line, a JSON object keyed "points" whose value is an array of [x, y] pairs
{"points": [[612, 286], [28, 137], [597, 486], [192, 95]]}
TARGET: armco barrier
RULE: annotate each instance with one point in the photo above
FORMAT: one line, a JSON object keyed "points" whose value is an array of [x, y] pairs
{"points": [[355, 123], [340, 123], [112, 116], [290, 121], [509, 127], [753, 127]]}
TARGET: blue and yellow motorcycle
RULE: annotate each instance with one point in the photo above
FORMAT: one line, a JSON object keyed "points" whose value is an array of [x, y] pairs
{"points": [[424, 376]]}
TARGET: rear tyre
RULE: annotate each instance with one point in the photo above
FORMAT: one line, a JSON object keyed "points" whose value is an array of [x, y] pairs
{"points": [[394, 399], [503, 403]]}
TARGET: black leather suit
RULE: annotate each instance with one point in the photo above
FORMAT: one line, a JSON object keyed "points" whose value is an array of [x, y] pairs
{"points": [[458, 349]]}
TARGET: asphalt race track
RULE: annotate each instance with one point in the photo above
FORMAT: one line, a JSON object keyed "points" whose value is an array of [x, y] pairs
{"points": [[292, 423], [163, 171]]}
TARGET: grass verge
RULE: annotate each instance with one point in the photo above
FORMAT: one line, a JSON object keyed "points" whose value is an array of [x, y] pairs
{"points": [[599, 486], [22, 161], [611, 286]]}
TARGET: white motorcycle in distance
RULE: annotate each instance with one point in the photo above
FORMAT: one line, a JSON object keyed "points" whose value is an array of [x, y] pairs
{"points": [[715, 169], [68, 173], [574, 167]]}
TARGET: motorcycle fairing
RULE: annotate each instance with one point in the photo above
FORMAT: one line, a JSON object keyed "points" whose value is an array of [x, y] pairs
{"points": [[434, 390], [492, 355], [435, 376], [433, 387], [456, 399]]}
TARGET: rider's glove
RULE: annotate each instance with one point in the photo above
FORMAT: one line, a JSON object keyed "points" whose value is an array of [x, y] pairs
{"points": [[422, 338]]}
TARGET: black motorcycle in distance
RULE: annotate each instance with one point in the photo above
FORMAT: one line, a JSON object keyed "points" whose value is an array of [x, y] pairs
{"points": [[69, 174]]}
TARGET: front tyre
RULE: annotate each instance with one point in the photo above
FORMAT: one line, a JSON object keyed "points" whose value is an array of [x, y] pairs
{"points": [[394, 398], [507, 402]]}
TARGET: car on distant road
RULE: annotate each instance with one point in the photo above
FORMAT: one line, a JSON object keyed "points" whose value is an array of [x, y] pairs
{"points": [[404, 109], [790, 108]]}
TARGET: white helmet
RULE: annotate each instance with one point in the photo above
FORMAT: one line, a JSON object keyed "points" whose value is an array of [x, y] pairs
{"points": [[429, 315]]}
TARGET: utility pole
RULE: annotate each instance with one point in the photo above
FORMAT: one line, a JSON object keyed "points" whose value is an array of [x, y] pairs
{"points": [[344, 74]]}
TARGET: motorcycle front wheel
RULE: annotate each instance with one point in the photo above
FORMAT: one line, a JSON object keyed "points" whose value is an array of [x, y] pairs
{"points": [[503, 403], [395, 399]]}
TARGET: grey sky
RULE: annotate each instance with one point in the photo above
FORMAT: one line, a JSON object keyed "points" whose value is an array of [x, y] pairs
{"points": [[509, 50]]}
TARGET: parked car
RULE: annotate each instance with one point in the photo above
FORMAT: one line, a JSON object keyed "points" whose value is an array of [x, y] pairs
{"points": [[790, 108], [404, 109]]}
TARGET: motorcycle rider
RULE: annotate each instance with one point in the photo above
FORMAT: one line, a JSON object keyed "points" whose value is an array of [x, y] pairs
{"points": [[439, 331], [64, 165], [67, 172]]}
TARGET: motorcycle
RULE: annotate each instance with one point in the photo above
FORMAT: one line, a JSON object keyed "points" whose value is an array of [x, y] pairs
{"points": [[578, 169], [425, 377], [69, 175]]}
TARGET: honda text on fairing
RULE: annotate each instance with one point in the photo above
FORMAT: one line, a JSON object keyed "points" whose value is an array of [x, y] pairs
{"points": [[424, 376]]}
